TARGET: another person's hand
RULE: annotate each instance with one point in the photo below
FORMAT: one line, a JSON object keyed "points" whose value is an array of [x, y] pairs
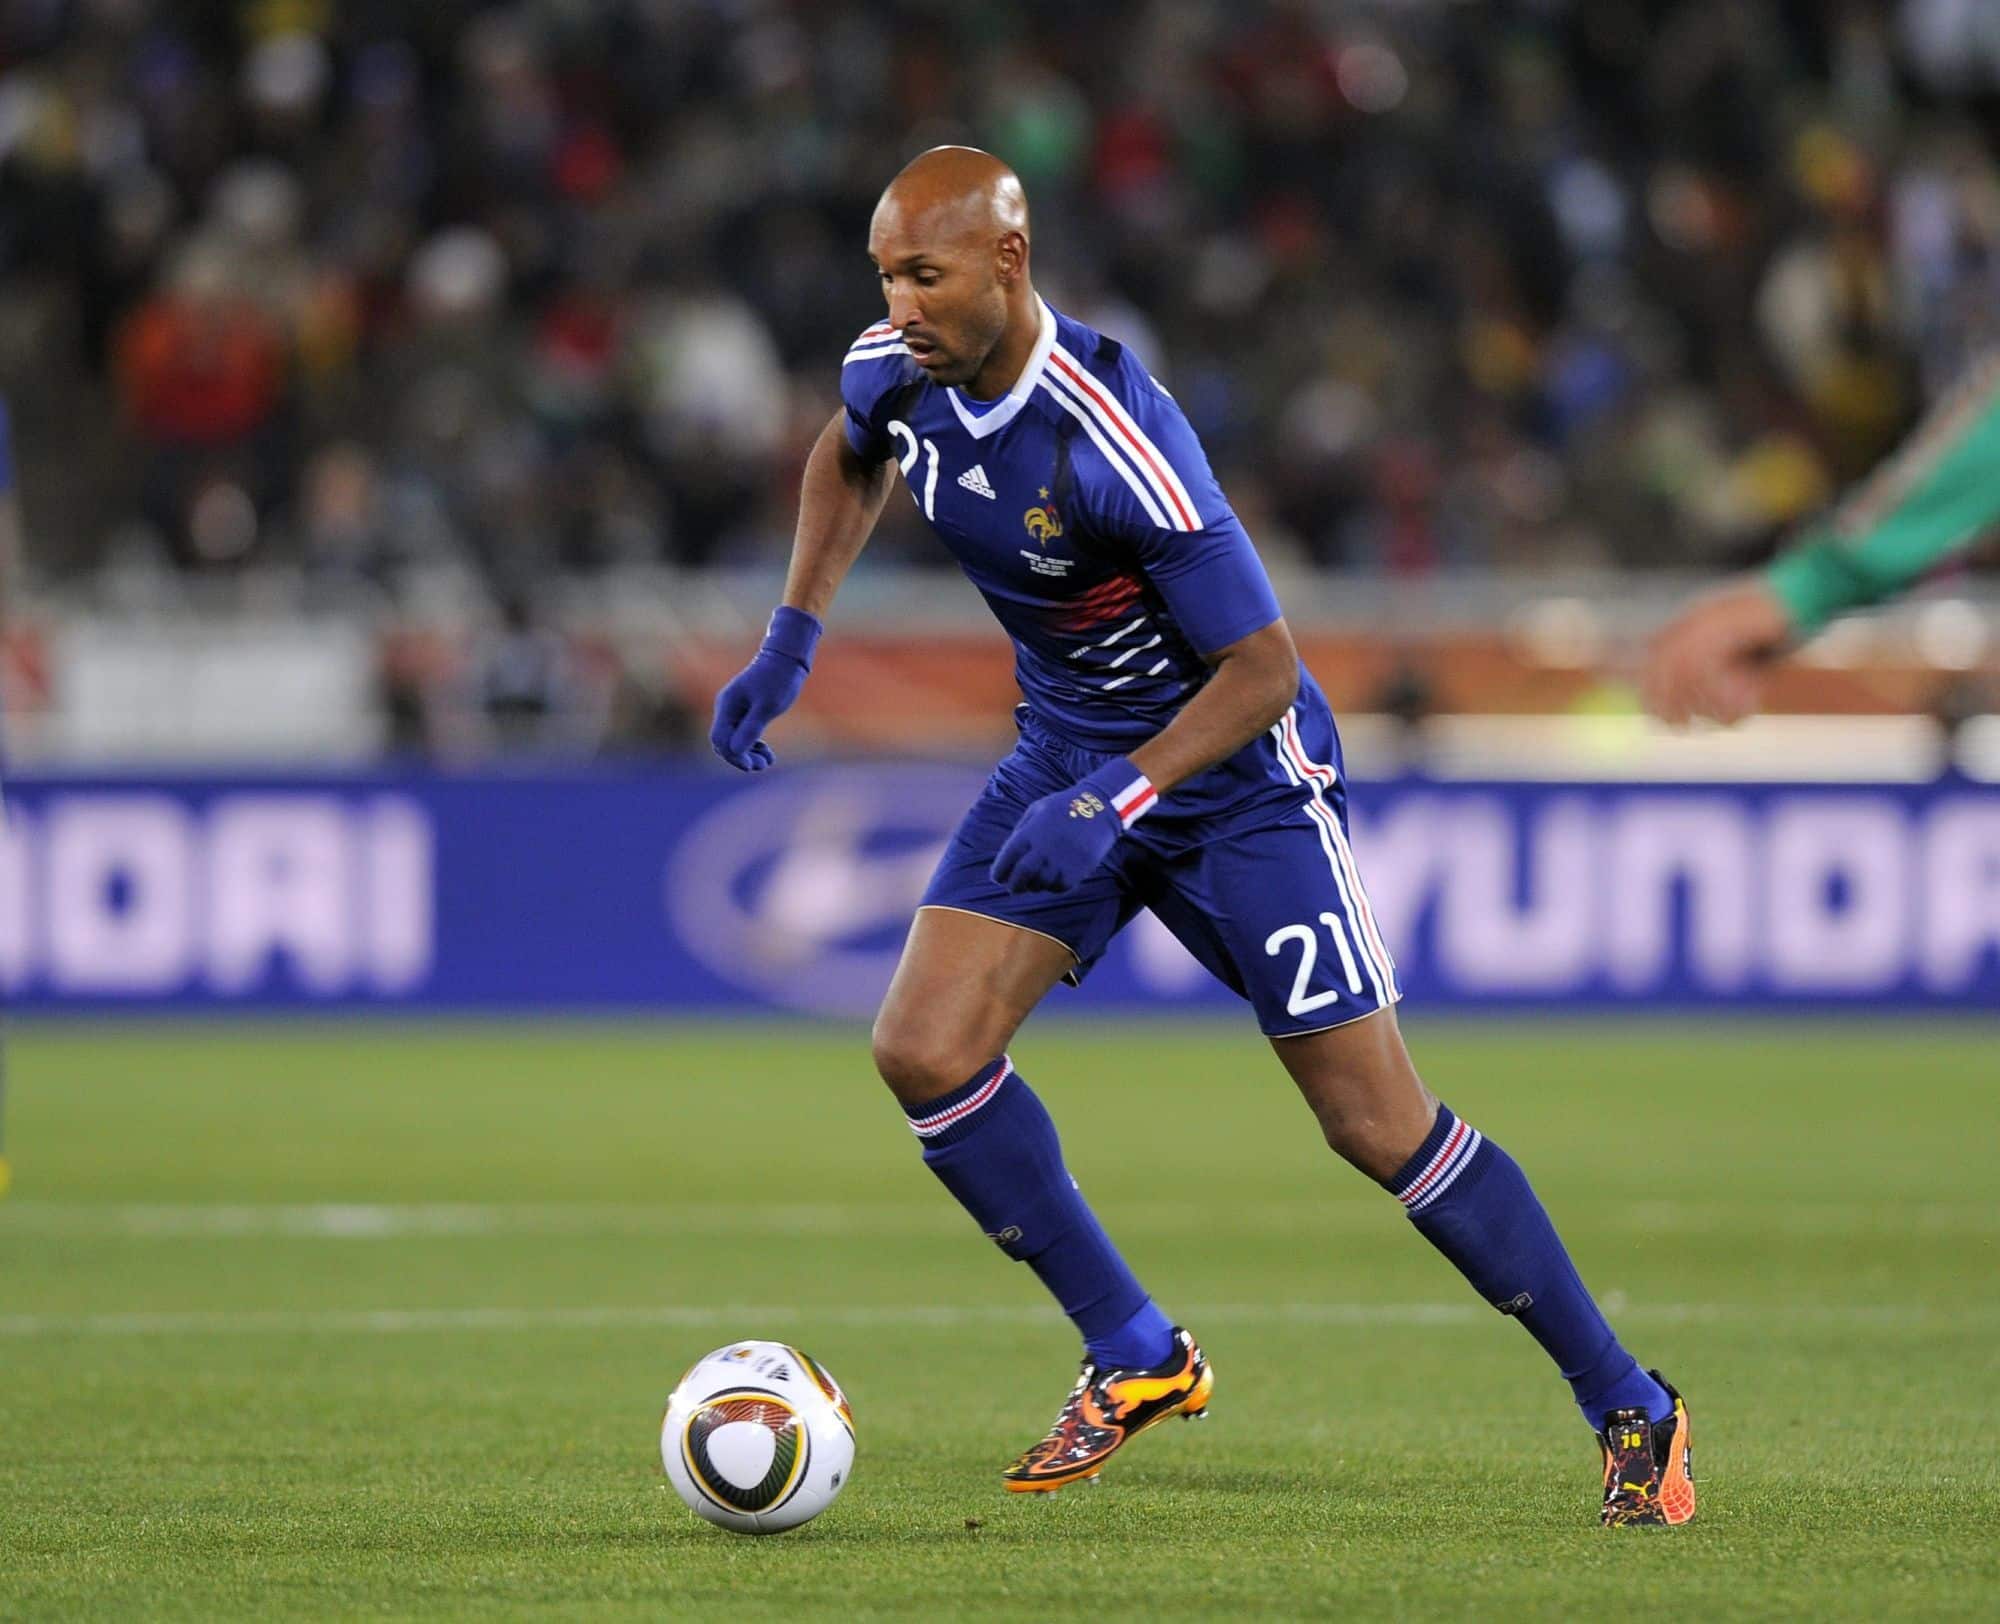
{"points": [[1710, 660], [764, 690]]}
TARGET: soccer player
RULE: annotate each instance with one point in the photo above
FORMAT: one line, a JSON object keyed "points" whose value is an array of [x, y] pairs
{"points": [[1173, 755], [1932, 502]]}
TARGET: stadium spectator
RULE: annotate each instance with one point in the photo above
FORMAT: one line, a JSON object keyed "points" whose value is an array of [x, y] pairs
{"points": [[526, 686], [201, 372]]}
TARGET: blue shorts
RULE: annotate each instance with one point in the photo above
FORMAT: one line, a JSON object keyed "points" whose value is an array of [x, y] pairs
{"points": [[1247, 863]]}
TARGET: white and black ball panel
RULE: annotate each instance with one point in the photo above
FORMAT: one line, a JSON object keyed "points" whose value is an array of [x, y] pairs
{"points": [[742, 1453], [746, 1450]]}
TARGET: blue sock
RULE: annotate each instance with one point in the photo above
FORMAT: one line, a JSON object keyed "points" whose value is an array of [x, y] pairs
{"points": [[1471, 1201], [993, 1146]]}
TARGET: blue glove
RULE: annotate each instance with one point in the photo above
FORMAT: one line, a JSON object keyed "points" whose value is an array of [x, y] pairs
{"points": [[1062, 838], [764, 690]]}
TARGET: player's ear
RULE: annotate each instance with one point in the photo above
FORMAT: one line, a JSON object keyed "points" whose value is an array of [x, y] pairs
{"points": [[1012, 257]]}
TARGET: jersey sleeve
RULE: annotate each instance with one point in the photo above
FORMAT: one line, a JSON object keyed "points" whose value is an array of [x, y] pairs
{"points": [[1156, 491], [1930, 503], [875, 364]]}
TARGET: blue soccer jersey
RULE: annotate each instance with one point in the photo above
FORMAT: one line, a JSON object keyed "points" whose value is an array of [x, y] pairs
{"points": [[1082, 507]]}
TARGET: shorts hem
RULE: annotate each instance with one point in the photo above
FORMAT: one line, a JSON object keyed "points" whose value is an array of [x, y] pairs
{"points": [[1332, 1026], [998, 919]]}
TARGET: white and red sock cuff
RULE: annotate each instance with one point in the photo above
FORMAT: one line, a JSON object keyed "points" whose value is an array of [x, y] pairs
{"points": [[946, 1119], [1447, 1151]]}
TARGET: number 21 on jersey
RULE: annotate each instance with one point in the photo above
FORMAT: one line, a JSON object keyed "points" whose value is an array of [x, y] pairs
{"points": [[908, 460]]}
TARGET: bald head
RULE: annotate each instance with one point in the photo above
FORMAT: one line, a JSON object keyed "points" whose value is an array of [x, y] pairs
{"points": [[968, 190], [950, 240]]}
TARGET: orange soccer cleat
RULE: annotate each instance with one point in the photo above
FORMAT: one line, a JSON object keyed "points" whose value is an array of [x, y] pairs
{"points": [[1648, 1466], [1106, 1410]]}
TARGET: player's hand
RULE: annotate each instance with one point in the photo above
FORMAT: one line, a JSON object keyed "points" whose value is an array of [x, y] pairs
{"points": [[1711, 660], [764, 690], [1062, 838]]}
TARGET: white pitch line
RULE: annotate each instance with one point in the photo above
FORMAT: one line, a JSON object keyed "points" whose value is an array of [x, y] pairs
{"points": [[364, 1221], [754, 1319]]}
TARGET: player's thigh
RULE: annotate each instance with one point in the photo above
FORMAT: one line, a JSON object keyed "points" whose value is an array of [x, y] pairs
{"points": [[962, 988], [979, 958]]}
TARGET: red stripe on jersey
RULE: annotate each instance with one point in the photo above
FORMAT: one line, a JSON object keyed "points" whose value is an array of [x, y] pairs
{"points": [[1136, 442], [1106, 601]]}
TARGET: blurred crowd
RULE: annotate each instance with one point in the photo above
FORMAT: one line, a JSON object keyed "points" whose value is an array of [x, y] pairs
{"points": [[365, 297]]}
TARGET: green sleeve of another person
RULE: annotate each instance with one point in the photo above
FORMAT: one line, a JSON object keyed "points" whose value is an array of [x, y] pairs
{"points": [[1931, 502]]}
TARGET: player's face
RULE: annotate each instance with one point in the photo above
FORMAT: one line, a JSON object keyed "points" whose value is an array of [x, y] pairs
{"points": [[945, 296]]}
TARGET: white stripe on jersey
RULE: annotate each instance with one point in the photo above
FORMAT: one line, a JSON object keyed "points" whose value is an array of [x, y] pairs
{"points": [[1136, 648], [1147, 457], [1091, 648], [1140, 489], [898, 347]]}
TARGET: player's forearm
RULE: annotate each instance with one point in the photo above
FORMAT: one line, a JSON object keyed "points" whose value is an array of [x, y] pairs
{"points": [[839, 502], [1933, 501], [1253, 684]]}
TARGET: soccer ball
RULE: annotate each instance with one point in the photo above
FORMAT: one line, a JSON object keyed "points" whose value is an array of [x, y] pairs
{"points": [[758, 1437]]}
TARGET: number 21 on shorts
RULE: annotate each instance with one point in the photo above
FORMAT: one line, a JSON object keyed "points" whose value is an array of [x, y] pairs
{"points": [[1301, 1002]]}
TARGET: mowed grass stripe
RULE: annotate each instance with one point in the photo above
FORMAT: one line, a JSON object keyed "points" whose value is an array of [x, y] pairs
{"points": [[361, 1221], [1888, 1317]]}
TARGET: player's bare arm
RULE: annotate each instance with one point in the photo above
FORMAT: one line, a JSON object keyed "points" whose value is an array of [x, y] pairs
{"points": [[1059, 839], [1255, 681], [840, 500], [1064, 836]]}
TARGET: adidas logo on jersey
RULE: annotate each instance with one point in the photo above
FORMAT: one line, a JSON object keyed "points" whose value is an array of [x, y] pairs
{"points": [[974, 480]]}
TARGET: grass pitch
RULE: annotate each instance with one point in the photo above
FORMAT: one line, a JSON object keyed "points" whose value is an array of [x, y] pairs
{"points": [[378, 1321]]}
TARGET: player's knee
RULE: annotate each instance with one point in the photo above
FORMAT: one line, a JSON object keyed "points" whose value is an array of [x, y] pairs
{"points": [[920, 1062], [1360, 1140], [1376, 1136]]}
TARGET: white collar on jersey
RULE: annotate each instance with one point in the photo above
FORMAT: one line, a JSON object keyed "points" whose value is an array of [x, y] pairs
{"points": [[1002, 412]]}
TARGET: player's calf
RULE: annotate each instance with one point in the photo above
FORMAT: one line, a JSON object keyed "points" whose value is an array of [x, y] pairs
{"points": [[992, 1144], [1470, 1200]]}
